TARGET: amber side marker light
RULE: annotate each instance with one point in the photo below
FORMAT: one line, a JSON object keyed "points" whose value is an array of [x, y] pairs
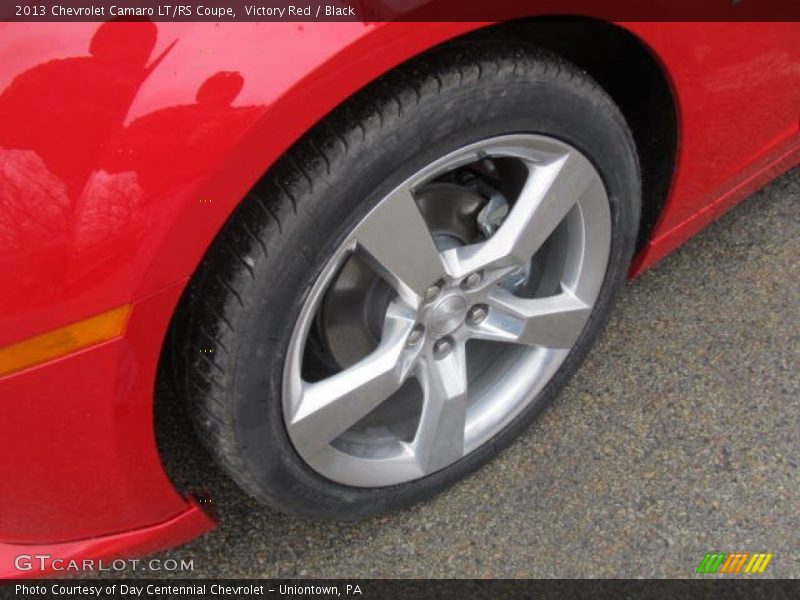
{"points": [[60, 342]]}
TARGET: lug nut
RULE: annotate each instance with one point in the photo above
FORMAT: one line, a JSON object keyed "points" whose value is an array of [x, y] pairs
{"points": [[442, 348], [472, 281], [477, 314], [416, 335], [432, 293]]}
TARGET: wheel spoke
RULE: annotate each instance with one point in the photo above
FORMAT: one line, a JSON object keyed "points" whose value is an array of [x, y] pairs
{"points": [[550, 191], [554, 321], [397, 240], [440, 436], [329, 407]]}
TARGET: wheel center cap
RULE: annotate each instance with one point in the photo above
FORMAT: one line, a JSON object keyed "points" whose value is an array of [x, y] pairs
{"points": [[448, 314]]}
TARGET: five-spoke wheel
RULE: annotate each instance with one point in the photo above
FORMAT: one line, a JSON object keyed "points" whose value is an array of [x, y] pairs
{"points": [[446, 294], [413, 282]]}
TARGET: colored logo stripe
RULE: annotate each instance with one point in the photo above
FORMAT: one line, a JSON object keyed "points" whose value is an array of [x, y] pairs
{"points": [[734, 562], [758, 563], [711, 562]]}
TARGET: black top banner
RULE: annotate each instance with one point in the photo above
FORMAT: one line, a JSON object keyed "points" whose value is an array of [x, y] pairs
{"points": [[369, 589], [397, 10]]}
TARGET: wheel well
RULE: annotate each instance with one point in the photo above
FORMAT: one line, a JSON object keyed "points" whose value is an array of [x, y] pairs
{"points": [[613, 57], [631, 75]]}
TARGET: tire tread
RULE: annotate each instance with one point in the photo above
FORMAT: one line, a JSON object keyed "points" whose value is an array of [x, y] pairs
{"points": [[217, 302]]}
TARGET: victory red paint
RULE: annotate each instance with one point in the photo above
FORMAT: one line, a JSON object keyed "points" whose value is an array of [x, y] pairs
{"points": [[125, 146]]}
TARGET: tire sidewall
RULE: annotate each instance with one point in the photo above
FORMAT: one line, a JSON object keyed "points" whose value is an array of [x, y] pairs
{"points": [[389, 154]]}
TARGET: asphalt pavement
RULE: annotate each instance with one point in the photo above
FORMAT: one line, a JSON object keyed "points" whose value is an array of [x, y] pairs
{"points": [[680, 435]]}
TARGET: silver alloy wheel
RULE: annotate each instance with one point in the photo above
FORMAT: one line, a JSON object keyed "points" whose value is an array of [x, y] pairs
{"points": [[479, 350]]}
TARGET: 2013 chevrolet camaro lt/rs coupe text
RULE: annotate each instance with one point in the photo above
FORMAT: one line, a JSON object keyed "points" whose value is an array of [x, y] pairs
{"points": [[365, 255]]}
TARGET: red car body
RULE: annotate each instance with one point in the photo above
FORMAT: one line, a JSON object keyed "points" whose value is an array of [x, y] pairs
{"points": [[124, 148]]}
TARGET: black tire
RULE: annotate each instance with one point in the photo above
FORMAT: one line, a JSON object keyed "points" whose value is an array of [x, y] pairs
{"points": [[243, 302]]}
